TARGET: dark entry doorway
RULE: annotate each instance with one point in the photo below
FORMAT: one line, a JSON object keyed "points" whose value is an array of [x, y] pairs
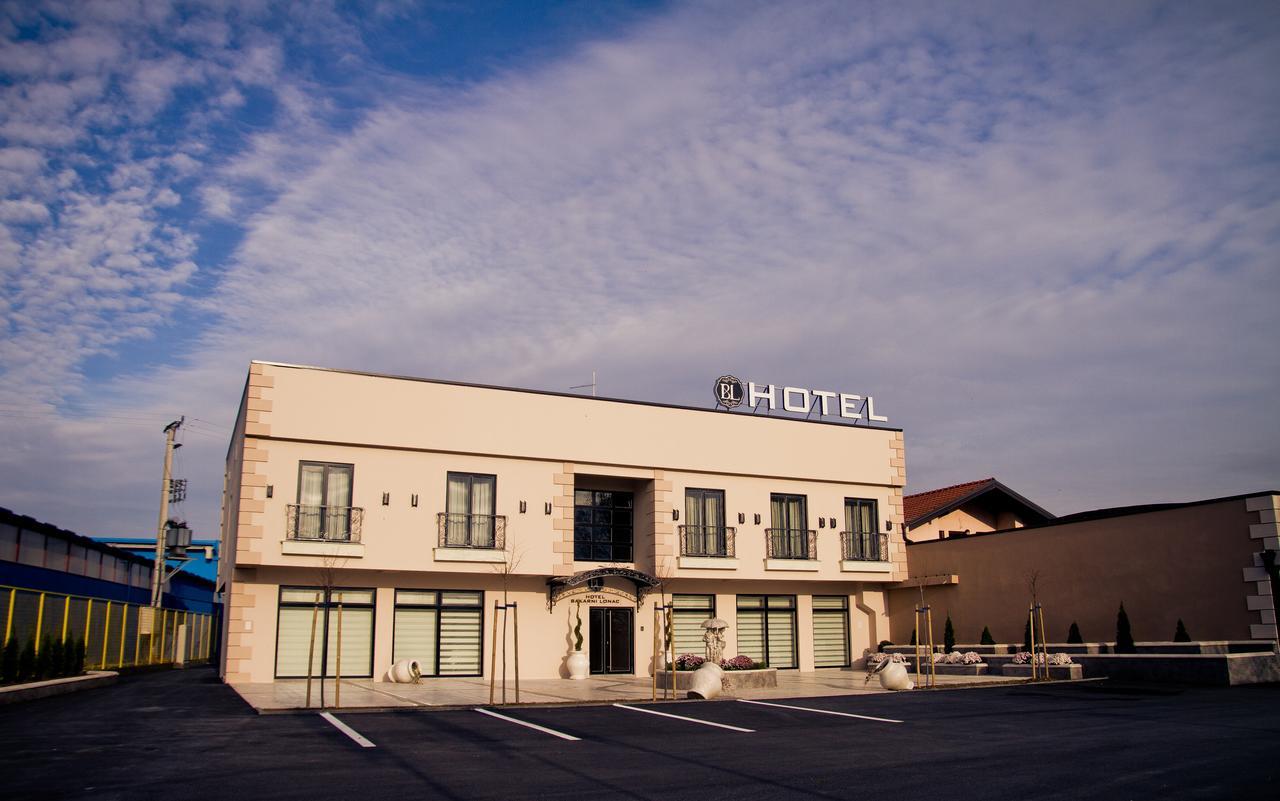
{"points": [[612, 640]]}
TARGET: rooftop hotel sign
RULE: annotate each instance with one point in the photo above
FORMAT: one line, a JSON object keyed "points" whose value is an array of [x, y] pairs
{"points": [[731, 394]]}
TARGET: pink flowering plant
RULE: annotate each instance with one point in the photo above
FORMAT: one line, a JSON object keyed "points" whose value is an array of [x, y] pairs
{"points": [[1022, 658], [972, 658], [874, 660], [741, 662], [689, 662]]}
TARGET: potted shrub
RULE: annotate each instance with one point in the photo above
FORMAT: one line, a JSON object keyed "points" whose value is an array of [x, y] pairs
{"points": [[577, 663]]}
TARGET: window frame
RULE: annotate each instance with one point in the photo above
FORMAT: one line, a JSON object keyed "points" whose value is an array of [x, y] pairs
{"points": [[717, 530], [492, 513], [613, 543], [871, 538], [843, 611], [676, 611], [325, 604], [790, 537], [324, 497], [439, 606], [764, 609]]}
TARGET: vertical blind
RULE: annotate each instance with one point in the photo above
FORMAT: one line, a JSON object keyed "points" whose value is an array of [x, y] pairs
{"points": [[830, 631], [690, 613], [294, 634], [767, 629], [443, 630]]}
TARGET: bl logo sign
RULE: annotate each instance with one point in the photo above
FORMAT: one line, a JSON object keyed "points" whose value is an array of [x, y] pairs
{"points": [[729, 393]]}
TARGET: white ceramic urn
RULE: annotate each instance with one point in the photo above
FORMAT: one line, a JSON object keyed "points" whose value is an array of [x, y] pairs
{"points": [[578, 665]]}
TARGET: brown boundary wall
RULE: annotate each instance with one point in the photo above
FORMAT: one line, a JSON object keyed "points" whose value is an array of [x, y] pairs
{"points": [[1199, 562]]}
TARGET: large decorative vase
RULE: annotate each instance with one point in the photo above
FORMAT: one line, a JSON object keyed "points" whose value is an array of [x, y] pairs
{"points": [[406, 671], [578, 665], [894, 676], [707, 681]]}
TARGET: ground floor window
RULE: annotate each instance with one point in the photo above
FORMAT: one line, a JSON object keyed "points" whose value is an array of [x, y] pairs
{"points": [[830, 631], [690, 611], [767, 629], [442, 629], [308, 623]]}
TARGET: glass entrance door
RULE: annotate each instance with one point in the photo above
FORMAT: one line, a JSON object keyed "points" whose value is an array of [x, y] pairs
{"points": [[612, 640]]}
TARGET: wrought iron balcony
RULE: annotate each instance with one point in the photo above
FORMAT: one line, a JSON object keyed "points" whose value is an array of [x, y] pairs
{"points": [[864, 546], [711, 541], [791, 543], [324, 523], [459, 530]]}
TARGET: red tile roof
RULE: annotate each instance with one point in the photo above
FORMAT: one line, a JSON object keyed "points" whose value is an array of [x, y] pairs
{"points": [[924, 504]]}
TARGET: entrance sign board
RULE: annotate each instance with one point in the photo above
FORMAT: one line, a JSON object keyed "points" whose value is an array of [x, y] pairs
{"points": [[730, 394]]}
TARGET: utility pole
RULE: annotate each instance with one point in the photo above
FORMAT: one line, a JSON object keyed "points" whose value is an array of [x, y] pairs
{"points": [[157, 576]]}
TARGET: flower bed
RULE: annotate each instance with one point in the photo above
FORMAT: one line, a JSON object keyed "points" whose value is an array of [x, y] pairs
{"points": [[733, 679], [688, 662], [1071, 671]]}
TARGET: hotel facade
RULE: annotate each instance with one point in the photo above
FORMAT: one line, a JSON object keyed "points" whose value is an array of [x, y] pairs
{"points": [[418, 505]]}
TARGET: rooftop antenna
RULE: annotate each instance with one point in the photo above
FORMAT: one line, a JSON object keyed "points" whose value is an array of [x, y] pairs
{"points": [[592, 384]]}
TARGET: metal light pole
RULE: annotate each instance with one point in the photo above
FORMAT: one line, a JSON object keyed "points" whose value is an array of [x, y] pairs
{"points": [[157, 574]]}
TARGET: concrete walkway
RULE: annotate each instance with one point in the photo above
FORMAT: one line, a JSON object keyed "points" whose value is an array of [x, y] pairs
{"points": [[290, 694]]}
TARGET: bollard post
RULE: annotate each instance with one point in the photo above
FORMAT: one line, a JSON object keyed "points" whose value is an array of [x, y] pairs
{"points": [[493, 655], [515, 634]]}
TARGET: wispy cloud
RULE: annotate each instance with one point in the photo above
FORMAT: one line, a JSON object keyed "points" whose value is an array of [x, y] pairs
{"points": [[1045, 239]]}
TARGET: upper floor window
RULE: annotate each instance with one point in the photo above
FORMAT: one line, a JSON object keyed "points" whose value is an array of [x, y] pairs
{"points": [[469, 520], [789, 535], [704, 532], [602, 530], [863, 540], [324, 502]]}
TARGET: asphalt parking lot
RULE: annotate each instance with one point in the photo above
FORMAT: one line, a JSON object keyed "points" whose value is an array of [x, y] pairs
{"points": [[183, 735]]}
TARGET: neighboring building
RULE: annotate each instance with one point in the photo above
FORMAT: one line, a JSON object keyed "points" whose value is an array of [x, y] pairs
{"points": [[202, 555], [57, 584], [418, 505], [1205, 562], [41, 556], [968, 508]]}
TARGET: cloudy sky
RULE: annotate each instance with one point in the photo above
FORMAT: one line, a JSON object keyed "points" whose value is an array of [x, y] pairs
{"points": [[1045, 238]]}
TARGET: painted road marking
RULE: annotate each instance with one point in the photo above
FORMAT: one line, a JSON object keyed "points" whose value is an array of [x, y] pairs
{"points": [[347, 730], [544, 729], [821, 711], [681, 717]]}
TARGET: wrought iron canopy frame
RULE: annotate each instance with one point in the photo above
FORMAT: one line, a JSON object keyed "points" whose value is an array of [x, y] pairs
{"points": [[559, 585]]}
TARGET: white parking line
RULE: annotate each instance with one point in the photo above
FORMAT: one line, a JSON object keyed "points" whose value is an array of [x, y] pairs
{"points": [[681, 717], [821, 711], [544, 729], [347, 730]]}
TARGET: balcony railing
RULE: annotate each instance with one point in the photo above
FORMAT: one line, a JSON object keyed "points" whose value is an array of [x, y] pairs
{"points": [[324, 523], [713, 541], [791, 543], [458, 530], [864, 546]]}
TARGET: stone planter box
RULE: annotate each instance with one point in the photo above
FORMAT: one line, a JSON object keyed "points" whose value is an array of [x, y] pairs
{"points": [[979, 669], [734, 679], [1055, 671]]}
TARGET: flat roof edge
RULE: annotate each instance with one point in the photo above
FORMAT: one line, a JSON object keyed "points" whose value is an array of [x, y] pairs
{"points": [[654, 404]]}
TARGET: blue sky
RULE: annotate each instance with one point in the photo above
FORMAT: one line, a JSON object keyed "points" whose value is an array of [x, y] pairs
{"points": [[1043, 235]]}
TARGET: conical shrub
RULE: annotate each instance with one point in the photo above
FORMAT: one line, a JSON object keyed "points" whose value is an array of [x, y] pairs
{"points": [[1124, 634], [1181, 634]]}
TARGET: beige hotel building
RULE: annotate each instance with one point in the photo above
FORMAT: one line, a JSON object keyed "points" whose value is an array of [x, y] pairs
{"points": [[418, 505]]}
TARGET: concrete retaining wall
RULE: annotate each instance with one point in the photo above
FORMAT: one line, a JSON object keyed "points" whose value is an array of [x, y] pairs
{"points": [[43, 689]]}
